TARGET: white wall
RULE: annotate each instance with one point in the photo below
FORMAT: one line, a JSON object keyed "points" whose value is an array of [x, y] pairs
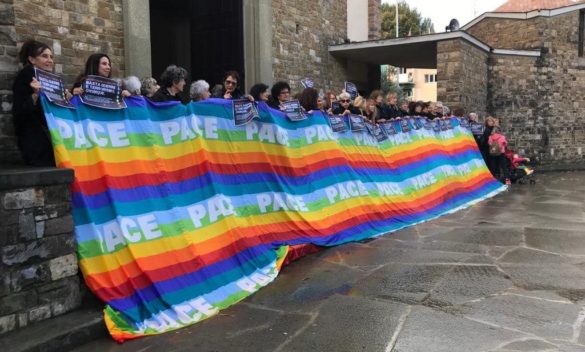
{"points": [[357, 20]]}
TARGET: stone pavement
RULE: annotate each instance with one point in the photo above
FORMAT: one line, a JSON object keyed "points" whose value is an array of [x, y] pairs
{"points": [[505, 275]]}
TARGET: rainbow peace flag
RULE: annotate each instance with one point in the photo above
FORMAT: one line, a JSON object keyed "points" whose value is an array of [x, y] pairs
{"points": [[179, 213]]}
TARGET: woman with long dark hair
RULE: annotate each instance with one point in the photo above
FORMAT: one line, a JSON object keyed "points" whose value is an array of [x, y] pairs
{"points": [[31, 129], [96, 65]]}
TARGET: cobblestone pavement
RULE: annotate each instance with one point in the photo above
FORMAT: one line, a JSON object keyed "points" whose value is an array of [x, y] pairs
{"points": [[507, 274]]}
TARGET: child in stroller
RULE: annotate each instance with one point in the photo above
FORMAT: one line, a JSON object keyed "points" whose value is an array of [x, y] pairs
{"points": [[519, 171]]}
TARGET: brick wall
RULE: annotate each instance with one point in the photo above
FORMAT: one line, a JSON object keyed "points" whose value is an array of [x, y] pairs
{"points": [[74, 29], [38, 267], [300, 42], [462, 73]]}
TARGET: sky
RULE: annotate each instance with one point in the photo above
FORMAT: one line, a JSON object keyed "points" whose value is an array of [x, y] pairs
{"points": [[442, 11]]}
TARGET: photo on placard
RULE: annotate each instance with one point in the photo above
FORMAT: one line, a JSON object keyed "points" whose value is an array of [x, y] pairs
{"points": [[307, 83], [293, 110], [357, 123], [52, 88], [379, 134], [477, 128], [244, 111], [102, 92], [351, 89], [389, 128], [404, 125], [337, 124]]}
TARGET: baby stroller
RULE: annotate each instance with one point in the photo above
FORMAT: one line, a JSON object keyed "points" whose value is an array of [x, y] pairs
{"points": [[519, 171]]}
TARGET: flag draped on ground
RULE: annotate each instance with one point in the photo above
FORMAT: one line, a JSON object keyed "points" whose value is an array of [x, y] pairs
{"points": [[179, 213]]}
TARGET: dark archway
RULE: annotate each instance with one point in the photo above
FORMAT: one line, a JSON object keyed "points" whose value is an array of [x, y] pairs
{"points": [[205, 37]]}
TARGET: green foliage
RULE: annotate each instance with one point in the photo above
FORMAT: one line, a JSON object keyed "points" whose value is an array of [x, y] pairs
{"points": [[390, 86], [410, 21]]}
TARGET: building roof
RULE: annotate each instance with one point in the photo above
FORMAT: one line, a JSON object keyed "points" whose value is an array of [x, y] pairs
{"points": [[412, 52], [531, 5]]}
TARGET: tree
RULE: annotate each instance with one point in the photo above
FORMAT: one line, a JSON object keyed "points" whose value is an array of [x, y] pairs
{"points": [[410, 21]]}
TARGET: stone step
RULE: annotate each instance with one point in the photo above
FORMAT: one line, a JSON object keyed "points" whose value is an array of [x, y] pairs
{"points": [[61, 333]]}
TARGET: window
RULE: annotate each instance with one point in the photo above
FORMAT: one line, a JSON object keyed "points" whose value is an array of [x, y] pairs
{"points": [[401, 70], [430, 78]]}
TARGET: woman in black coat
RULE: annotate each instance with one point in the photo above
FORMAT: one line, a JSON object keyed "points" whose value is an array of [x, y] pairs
{"points": [[31, 129]]}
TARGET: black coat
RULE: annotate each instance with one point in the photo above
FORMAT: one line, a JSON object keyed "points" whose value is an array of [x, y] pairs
{"points": [[163, 95], [392, 111], [30, 125]]}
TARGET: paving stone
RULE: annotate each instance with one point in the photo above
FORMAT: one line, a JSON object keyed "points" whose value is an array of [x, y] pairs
{"points": [[350, 324], [466, 283], [239, 328], [402, 282], [442, 246], [487, 236], [304, 284], [546, 277], [529, 346], [545, 295], [427, 330], [541, 318], [558, 241], [530, 256]]}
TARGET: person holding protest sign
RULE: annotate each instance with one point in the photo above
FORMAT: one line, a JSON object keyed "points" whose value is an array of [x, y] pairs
{"points": [[172, 82], [345, 107], [199, 90], [392, 110], [34, 140], [279, 94], [259, 92], [96, 65], [372, 111]]}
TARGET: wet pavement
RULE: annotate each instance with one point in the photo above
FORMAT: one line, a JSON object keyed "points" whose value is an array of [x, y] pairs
{"points": [[507, 274]]}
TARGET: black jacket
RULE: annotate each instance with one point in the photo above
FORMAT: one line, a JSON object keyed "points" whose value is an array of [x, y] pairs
{"points": [[30, 125], [392, 111], [352, 109], [163, 95], [236, 94]]}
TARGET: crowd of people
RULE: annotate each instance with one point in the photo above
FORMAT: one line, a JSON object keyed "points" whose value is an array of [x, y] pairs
{"points": [[377, 107]]}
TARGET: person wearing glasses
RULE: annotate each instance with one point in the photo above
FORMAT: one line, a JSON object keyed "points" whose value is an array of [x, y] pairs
{"points": [[279, 93], [230, 89], [346, 107]]}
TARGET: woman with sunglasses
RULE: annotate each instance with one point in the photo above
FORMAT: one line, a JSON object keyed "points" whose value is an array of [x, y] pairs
{"points": [[345, 107], [230, 86]]}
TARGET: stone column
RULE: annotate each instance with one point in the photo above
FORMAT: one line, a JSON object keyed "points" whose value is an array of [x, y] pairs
{"points": [[258, 42], [137, 38]]}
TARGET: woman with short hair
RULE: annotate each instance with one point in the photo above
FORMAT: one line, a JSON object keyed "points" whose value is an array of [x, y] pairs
{"points": [[259, 92], [199, 90], [148, 87], [231, 80], [279, 94], [172, 82], [132, 85]]}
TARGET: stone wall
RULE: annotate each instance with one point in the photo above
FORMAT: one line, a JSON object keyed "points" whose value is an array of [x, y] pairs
{"points": [[74, 29], [374, 19], [462, 75], [503, 33], [8, 67], [38, 267], [300, 42], [541, 101]]}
